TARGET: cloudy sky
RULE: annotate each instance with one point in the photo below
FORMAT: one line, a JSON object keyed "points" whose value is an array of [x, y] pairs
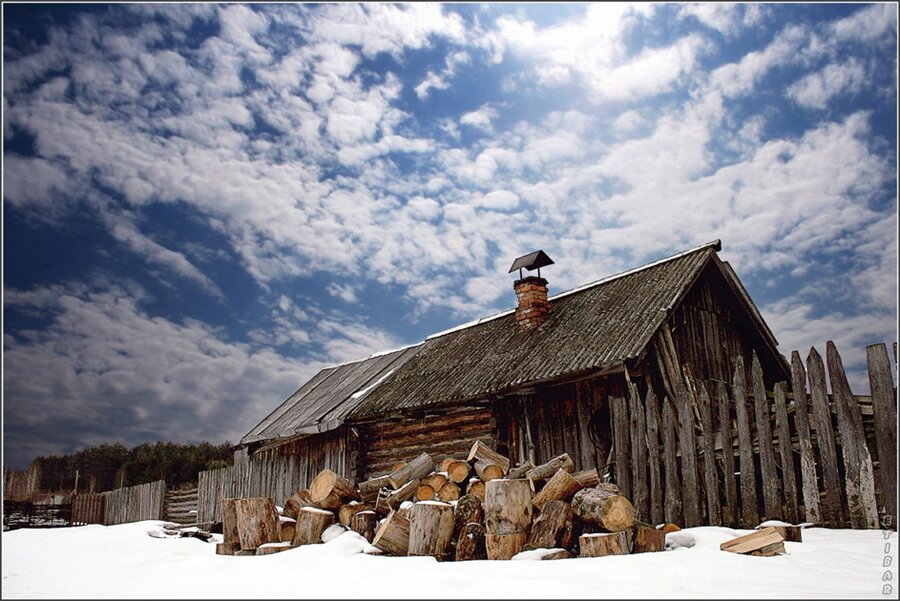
{"points": [[205, 204]]}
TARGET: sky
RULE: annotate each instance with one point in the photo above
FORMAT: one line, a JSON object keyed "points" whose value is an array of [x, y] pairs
{"points": [[204, 204]]}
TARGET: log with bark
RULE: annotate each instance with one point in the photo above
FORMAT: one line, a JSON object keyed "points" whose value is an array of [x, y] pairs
{"points": [[507, 506], [458, 471], [469, 509], [430, 529], [311, 523], [549, 469], [561, 487], [365, 523], [481, 451], [587, 478], [416, 469], [518, 472], [296, 501], [287, 530], [329, 490], [552, 528], [392, 535], [227, 548], [390, 500], [230, 522], [368, 490], [435, 480], [471, 542], [488, 471], [647, 539], [448, 492], [348, 510], [504, 546], [602, 544], [603, 506], [475, 487], [257, 522]]}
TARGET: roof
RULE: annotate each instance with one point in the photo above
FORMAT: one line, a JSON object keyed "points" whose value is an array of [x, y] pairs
{"points": [[325, 400], [594, 327]]}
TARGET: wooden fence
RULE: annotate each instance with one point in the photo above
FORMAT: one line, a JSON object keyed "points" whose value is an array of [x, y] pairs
{"points": [[88, 509], [135, 503], [714, 456]]}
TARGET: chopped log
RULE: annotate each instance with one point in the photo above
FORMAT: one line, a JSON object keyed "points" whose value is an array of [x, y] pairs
{"points": [[257, 522], [329, 490], [507, 507], [227, 548], [673, 509], [469, 509], [488, 471], [786, 454], [832, 505], [621, 448], [390, 500], [749, 511], [518, 472], [504, 546], [602, 544], [475, 487], [287, 531], [553, 527], [730, 510], [766, 541], [311, 523], [458, 471], [272, 548], [651, 413], [884, 409], [670, 528], [549, 469], [368, 490], [561, 487], [693, 514], [424, 493], [392, 536], [587, 478], [430, 529], [435, 480], [416, 469], [470, 544], [647, 539], [481, 451], [808, 482], [397, 466], [348, 510], [296, 501], [770, 481], [710, 473], [448, 492], [230, 522], [445, 463], [365, 523], [789, 532], [604, 508]]}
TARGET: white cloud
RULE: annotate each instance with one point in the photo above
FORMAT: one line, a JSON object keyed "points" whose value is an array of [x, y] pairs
{"points": [[440, 81], [868, 24], [481, 118], [815, 90], [345, 292]]}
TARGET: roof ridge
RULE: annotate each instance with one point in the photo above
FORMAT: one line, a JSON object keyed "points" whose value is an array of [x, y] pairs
{"points": [[717, 244], [373, 355]]}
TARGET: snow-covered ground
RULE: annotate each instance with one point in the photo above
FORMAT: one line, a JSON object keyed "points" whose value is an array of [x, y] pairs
{"points": [[124, 562]]}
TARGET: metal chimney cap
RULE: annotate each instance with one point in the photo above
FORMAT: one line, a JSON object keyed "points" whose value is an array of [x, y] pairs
{"points": [[531, 261]]}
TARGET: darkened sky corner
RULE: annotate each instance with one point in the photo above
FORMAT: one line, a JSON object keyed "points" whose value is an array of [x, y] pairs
{"points": [[205, 204]]}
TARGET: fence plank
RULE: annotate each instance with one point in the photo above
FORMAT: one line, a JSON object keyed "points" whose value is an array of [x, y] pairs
{"points": [[749, 512], [884, 409], [730, 513], [771, 496], [619, 408], [710, 473], [785, 452], [656, 483], [832, 505], [808, 480], [859, 473], [674, 506], [688, 447], [641, 496]]}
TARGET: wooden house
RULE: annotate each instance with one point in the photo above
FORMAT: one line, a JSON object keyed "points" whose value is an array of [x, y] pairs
{"points": [[532, 382]]}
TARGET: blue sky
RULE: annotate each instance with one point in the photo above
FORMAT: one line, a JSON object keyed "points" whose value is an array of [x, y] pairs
{"points": [[204, 204]]}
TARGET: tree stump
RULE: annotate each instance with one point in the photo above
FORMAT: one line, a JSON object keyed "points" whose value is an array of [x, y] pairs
{"points": [[648, 540], [604, 508], [561, 487], [416, 469], [470, 544], [504, 546], [348, 510], [297, 501], [469, 509], [448, 492], [430, 529], [602, 544], [549, 469], [553, 527], [507, 506], [311, 523], [257, 522], [365, 523], [392, 536], [329, 491], [481, 451]]}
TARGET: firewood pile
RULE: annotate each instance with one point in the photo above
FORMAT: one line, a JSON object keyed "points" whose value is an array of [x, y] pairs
{"points": [[480, 507]]}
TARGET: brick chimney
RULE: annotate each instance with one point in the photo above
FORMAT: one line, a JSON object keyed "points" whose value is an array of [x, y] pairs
{"points": [[533, 306]]}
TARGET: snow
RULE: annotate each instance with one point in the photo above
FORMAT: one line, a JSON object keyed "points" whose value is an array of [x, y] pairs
{"points": [[533, 555], [332, 532], [107, 562], [316, 510]]}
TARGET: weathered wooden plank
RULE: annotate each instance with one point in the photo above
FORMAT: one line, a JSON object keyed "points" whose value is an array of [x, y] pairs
{"points": [[730, 511], [783, 427], [808, 479], [859, 473], [749, 512], [688, 448], [710, 474], [651, 413], [832, 504], [638, 437], [771, 494], [884, 409], [619, 409], [674, 509]]}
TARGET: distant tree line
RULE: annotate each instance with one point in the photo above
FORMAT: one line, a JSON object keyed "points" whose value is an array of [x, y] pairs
{"points": [[110, 466]]}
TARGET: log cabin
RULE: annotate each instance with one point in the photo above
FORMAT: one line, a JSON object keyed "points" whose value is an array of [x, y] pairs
{"points": [[531, 382]]}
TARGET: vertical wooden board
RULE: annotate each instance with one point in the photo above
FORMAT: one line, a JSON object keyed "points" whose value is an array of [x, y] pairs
{"points": [[833, 503], [620, 422], [884, 409], [808, 479], [749, 512], [687, 445], [770, 481], [638, 437], [710, 473], [585, 456], [859, 472], [731, 510], [785, 452], [674, 510], [653, 452]]}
